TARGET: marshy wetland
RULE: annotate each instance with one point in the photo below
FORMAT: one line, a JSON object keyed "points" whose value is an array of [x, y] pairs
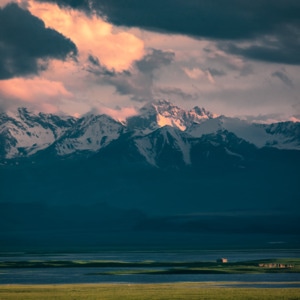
{"points": [[259, 274]]}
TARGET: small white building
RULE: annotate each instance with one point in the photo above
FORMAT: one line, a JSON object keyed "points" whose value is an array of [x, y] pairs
{"points": [[222, 260]]}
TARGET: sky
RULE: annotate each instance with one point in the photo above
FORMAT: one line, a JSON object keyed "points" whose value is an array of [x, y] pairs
{"points": [[239, 58]]}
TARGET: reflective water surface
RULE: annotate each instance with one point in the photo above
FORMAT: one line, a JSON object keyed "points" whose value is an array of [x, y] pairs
{"points": [[89, 275]]}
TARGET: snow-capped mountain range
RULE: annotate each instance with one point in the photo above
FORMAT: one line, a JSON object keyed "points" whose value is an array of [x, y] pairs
{"points": [[160, 133]]}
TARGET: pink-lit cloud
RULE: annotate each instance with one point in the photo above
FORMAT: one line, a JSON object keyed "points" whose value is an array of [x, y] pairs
{"points": [[294, 119], [36, 93], [21, 3], [119, 114], [115, 49], [197, 73], [116, 65]]}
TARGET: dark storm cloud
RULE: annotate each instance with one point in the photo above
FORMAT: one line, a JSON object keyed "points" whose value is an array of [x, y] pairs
{"points": [[282, 46], [94, 60], [283, 77], [84, 5], [233, 20], [24, 39], [94, 66]]}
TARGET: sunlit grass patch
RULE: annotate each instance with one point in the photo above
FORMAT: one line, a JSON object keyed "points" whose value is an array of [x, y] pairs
{"points": [[183, 291]]}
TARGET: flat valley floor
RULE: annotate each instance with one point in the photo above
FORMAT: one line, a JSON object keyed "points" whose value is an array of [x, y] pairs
{"points": [[145, 291]]}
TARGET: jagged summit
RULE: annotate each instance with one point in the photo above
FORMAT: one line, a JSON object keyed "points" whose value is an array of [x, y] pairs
{"points": [[202, 112], [90, 133], [160, 113], [24, 133], [159, 131], [168, 109]]}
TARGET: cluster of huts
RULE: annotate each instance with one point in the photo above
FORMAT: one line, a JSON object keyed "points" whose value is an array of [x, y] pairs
{"points": [[262, 265], [278, 266]]}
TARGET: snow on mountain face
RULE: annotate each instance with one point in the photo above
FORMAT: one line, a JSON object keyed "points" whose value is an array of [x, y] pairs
{"points": [[25, 133], [284, 136], [162, 113], [90, 133], [242, 129], [223, 145], [152, 145], [162, 134]]}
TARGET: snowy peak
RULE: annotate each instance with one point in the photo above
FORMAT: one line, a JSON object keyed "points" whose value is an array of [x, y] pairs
{"points": [[168, 114], [162, 113], [90, 133], [24, 133], [163, 146], [284, 135], [198, 115], [162, 134]]}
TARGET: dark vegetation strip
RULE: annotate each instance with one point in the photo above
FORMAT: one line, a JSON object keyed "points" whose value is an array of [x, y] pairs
{"points": [[257, 266]]}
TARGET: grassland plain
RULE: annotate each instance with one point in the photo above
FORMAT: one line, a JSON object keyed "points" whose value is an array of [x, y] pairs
{"points": [[144, 292], [195, 290], [289, 265]]}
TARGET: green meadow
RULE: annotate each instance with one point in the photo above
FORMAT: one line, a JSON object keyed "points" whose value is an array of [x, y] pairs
{"points": [[143, 291], [196, 290], [165, 268]]}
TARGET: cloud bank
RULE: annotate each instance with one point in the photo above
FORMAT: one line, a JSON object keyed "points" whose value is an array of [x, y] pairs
{"points": [[29, 92], [138, 82], [92, 35], [26, 44], [236, 58], [273, 26]]}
